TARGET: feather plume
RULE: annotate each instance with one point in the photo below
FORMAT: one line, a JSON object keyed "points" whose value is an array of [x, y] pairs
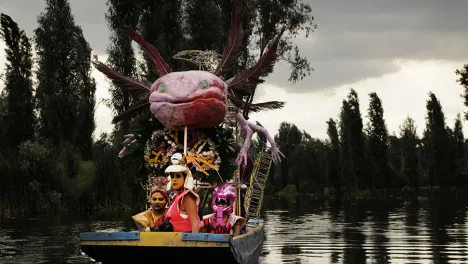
{"points": [[271, 105], [247, 86], [233, 44], [263, 67], [126, 83], [131, 112], [161, 66]]}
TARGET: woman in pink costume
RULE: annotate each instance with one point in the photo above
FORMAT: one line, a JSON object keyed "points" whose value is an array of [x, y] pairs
{"points": [[223, 221], [183, 212]]}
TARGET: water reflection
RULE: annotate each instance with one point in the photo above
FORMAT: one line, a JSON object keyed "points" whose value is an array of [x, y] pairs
{"points": [[301, 230], [326, 231]]}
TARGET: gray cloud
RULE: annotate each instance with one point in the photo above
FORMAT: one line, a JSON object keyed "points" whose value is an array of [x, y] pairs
{"points": [[355, 39], [358, 39]]}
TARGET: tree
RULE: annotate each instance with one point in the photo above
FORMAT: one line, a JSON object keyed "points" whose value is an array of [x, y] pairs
{"points": [[345, 162], [463, 81], [307, 166], [81, 61], [440, 154], [58, 93], [289, 137], [18, 120], [121, 56], [296, 16], [353, 160], [409, 149], [459, 149], [161, 24], [377, 134], [333, 156]]}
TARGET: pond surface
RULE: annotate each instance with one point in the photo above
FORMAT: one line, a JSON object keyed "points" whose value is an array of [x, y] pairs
{"points": [[299, 231]]}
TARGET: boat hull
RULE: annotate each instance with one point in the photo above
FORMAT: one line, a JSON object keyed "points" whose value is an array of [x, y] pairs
{"points": [[129, 247]]}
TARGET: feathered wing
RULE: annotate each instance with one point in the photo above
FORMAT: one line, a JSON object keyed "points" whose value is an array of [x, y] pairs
{"points": [[162, 67], [233, 45], [250, 78], [131, 112], [128, 84]]}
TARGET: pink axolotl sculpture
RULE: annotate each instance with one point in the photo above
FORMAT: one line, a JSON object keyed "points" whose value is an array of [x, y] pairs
{"points": [[199, 99], [196, 99]]}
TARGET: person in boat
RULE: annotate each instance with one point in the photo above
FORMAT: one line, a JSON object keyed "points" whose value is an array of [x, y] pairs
{"points": [[223, 221], [183, 212], [151, 219]]}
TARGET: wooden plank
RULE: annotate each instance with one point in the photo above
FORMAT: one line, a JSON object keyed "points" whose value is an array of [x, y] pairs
{"points": [[157, 239], [206, 237], [107, 236], [255, 221]]}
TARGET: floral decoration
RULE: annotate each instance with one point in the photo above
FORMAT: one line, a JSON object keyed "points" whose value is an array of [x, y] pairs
{"points": [[160, 147], [163, 143]]}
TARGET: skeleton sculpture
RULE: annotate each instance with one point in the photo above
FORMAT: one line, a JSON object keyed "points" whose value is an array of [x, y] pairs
{"points": [[199, 99]]}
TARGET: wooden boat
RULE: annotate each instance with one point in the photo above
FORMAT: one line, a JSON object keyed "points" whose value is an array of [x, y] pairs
{"points": [[131, 247]]}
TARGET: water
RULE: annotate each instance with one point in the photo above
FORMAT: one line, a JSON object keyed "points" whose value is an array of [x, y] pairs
{"points": [[301, 231]]}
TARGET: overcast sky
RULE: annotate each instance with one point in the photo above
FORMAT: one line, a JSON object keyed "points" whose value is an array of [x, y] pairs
{"points": [[401, 49]]}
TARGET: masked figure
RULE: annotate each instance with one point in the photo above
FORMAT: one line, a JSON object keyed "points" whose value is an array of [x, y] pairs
{"points": [[223, 221]]}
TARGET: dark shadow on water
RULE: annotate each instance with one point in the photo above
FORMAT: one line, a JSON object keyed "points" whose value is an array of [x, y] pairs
{"points": [[354, 216], [445, 232]]}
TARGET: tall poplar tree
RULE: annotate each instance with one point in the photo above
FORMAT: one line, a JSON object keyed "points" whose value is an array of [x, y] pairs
{"points": [[439, 151], [57, 95], [333, 156], [17, 122], [377, 134], [121, 56], [409, 151]]}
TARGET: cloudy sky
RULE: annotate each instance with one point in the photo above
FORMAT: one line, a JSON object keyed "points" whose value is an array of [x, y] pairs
{"points": [[400, 49]]}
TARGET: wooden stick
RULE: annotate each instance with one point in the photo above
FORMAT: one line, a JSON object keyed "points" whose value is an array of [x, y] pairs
{"points": [[185, 141]]}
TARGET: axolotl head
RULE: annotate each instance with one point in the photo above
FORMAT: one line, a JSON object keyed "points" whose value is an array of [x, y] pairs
{"points": [[196, 99]]}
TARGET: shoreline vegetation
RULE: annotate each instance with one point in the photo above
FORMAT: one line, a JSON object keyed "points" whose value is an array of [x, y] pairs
{"points": [[51, 161]]}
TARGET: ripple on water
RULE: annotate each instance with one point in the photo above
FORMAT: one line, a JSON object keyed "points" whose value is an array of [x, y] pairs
{"points": [[375, 236]]}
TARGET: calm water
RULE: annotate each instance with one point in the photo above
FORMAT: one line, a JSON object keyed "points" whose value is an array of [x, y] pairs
{"points": [[301, 231]]}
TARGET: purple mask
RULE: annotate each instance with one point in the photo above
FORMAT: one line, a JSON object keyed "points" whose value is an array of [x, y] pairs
{"points": [[224, 194]]}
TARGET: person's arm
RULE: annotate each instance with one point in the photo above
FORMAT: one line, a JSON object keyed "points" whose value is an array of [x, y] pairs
{"points": [[236, 229], [141, 221], [192, 212], [201, 224]]}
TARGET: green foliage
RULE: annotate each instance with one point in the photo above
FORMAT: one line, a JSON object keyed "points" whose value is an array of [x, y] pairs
{"points": [[377, 136], [353, 169], [438, 138], [463, 81], [289, 137], [65, 91], [333, 156], [289, 191], [410, 146], [17, 120]]}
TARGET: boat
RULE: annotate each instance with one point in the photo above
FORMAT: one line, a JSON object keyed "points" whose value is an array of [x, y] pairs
{"points": [[110, 247], [131, 247]]}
